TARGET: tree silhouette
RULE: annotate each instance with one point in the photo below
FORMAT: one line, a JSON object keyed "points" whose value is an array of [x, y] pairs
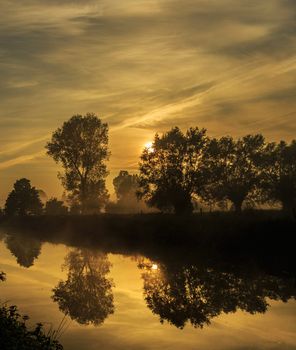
{"points": [[231, 171], [86, 296], [125, 185], [81, 147], [169, 170], [23, 199], [181, 294], [24, 248], [278, 166], [55, 207]]}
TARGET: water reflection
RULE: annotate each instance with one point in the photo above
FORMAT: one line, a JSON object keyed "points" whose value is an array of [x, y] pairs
{"points": [[86, 295], [195, 294], [25, 249], [189, 289]]}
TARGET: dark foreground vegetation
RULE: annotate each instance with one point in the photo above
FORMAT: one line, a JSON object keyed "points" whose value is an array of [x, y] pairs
{"points": [[16, 335]]}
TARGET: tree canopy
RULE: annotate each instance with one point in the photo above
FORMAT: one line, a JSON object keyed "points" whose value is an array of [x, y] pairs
{"points": [[170, 170], [86, 296], [125, 185], [81, 147], [231, 170], [55, 207], [24, 248], [196, 294], [23, 199], [278, 165]]}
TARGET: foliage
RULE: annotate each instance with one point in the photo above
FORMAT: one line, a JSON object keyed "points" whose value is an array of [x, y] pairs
{"points": [[230, 167], [24, 248], [2, 276], [55, 207], [42, 196], [125, 185], [23, 199], [15, 335], [86, 295], [170, 170], [181, 294], [81, 147], [278, 166]]}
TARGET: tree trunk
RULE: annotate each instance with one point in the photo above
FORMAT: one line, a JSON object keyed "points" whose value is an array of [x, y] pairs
{"points": [[184, 206], [238, 206], [288, 208]]}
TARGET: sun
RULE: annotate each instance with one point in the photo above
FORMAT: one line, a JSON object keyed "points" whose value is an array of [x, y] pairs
{"points": [[149, 146], [154, 267]]}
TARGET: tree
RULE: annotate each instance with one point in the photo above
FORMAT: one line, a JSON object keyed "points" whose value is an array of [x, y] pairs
{"points": [[23, 199], [278, 166], [42, 196], [86, 296], [125, 185], [81, 147], [15, 332], [230, 167], [55, 207], [24, 248], [170, 170], [196, 294]]}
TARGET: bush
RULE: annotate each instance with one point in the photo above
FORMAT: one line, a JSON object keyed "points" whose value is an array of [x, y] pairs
{"points": [[14, 334]]}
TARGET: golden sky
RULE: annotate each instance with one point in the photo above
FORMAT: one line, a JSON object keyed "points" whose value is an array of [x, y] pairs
{"points": [[143, 66]]}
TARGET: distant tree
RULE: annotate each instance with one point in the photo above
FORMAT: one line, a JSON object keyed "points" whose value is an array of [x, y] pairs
{"points": [[23, 199], [170, 170], [81, 147], [125, 184], [278, 166], [55, 207], [24, 248], [42, 196], [86, 296], [231, 171]]}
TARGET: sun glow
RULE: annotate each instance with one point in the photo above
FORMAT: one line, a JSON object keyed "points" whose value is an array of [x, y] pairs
{"points": [[149, 146], [154, 267]]}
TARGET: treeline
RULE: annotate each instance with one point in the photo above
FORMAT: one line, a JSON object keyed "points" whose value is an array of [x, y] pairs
{"points": [[176, 172]]}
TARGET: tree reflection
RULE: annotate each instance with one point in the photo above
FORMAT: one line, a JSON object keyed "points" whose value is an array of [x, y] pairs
{"points": [[24, 248], [86, 296], [196, 295]]}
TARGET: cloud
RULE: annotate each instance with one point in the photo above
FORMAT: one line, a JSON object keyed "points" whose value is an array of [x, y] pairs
{"points": [[222, 64], [19, 160]]}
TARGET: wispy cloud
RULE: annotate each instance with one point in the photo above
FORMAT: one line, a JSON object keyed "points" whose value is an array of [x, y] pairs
{"points": [[20, 160], [228, 65], [23, 145]]}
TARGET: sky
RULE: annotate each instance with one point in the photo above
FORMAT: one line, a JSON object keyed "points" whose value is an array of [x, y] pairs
{"points": [[143, 66]]}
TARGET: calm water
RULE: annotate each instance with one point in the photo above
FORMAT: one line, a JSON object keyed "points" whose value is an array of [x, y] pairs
{"points": [[116, 301]]}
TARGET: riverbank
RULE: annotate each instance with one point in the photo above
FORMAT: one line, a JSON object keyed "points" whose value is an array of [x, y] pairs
{"points": [[268, 237]]}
